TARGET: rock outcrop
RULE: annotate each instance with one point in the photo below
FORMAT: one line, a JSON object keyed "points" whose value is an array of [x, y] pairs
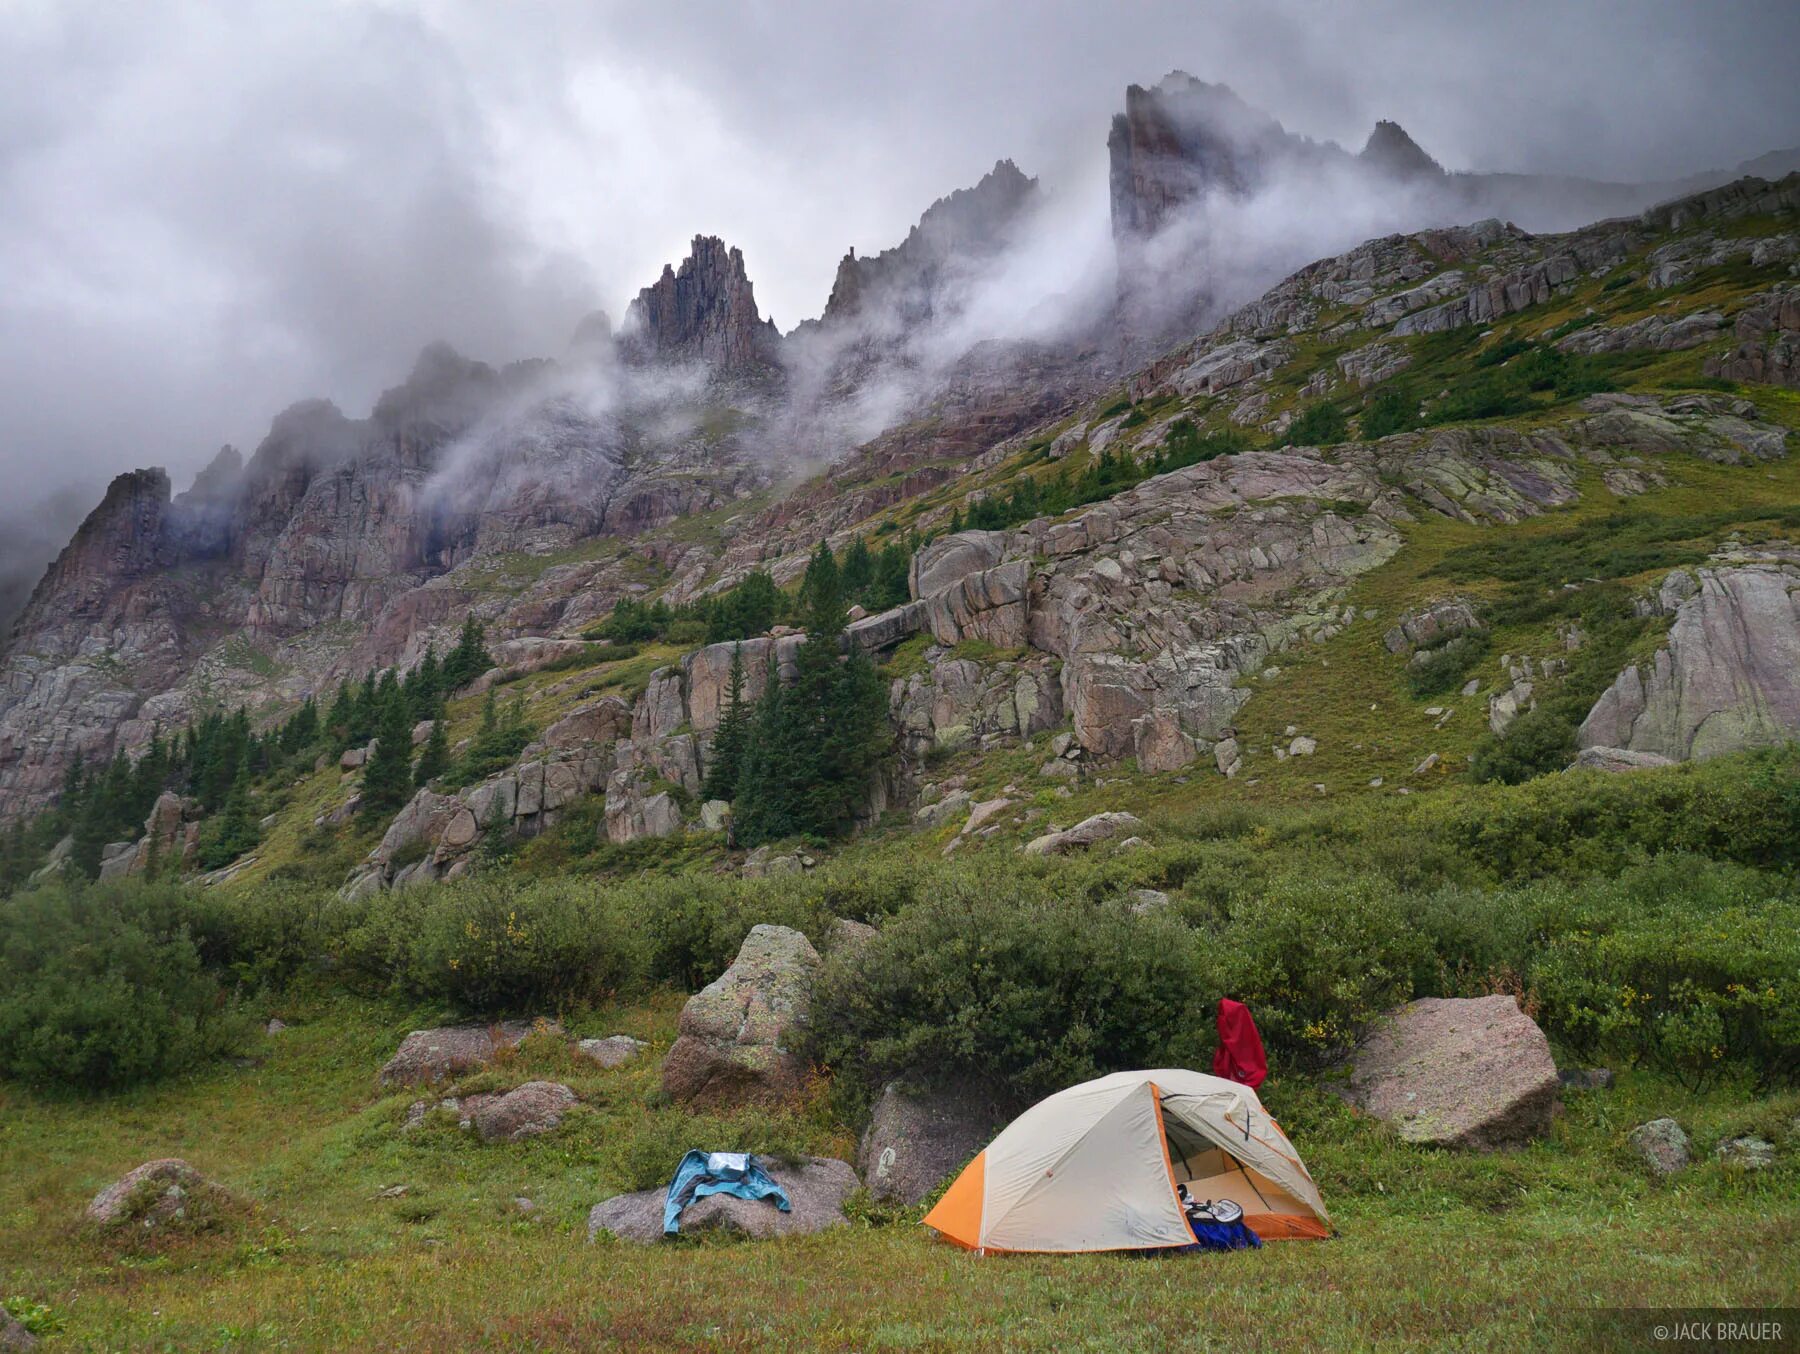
{"points": [[817, 1189], [1729, 677], [739, 1034], [526, 1111], [1101, 827], [1457, 1073]]}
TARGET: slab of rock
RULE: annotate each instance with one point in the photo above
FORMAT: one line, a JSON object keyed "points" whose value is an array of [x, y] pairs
{"points": [[1729, 678], [433, 1055], [845, 934], [523, 1112], [152, 1195], [1088, 832], [1618, 759], [916, 1139], [1746, 1154], [613, 1051], [1662, 1145], [816, 1188], [737, 1034], [1458, 1072]]}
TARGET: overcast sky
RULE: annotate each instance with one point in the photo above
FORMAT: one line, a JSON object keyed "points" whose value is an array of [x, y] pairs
{"points": [[208, 211]]}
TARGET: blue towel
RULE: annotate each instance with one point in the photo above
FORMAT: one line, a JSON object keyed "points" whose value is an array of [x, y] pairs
{"points": [[1222, 1236], [704, 1173]]}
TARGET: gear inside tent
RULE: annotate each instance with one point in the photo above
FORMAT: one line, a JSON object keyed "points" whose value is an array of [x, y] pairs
{"points": [[1102, 1166]]}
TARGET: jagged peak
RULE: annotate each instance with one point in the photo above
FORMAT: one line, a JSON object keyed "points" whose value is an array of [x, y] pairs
{"points": [[703, 311], [1391, 149]]}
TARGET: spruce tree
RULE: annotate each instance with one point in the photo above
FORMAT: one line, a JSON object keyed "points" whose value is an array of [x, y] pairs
{"points": [[237, 831], [341, 716], [725, 760], [387, 779], [469, 659], [767, 805]]}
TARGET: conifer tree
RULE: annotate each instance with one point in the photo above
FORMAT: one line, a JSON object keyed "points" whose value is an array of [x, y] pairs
{"points": [[341, 716], [858, 570], [766, 806], [469, 659], [238, 832], [725, 760], [388, 777]]}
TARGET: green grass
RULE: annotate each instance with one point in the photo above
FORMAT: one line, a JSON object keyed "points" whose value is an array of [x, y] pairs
{"points": [[1436, 1250]]}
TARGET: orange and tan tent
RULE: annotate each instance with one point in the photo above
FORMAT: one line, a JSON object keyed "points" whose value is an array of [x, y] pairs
{"points": [[1094, 1168]]}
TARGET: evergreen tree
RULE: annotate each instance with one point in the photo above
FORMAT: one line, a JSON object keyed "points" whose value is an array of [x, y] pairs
{"points": [[858, 570], [434, 760], [767, 804], [891, 587], [425, 690], [387, 779], [341, 716], [365, 713], [15, 858], [725, 760], [238, 831], [469, 659]]}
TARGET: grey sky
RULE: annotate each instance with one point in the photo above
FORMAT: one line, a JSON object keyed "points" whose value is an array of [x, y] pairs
{"points": [[210, 210]]}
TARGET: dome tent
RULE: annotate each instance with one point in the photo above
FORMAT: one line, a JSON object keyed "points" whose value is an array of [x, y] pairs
{"points": [[1094, 1168]]}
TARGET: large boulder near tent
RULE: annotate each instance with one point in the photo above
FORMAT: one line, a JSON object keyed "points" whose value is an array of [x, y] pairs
{"points": [[433, 1055], [737, 1034], [816, 1188], [917, 1139], [165, 1193], [1458, 1072]]}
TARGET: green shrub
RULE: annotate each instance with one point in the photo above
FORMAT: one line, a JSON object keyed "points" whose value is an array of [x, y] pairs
{"points": [[1321, 425], [1393, 410], [1316, 957], [1448, 666], [994, 978], [103, 987]]}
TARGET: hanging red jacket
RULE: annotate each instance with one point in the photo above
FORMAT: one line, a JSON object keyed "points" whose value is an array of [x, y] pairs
{"points": [[1240, 1057]]}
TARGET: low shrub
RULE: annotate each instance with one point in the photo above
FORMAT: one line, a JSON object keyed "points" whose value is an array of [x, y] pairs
{"points": [[494, 945], [102, 987]]}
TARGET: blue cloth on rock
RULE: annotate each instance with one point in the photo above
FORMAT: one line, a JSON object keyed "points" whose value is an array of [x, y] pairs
{"points": [[704, 1173]]}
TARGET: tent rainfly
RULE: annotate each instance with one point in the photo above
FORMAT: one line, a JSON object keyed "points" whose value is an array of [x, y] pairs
{"points": [[1094, 1168]]}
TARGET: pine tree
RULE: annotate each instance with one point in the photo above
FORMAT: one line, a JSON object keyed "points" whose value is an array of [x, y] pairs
{"points": [[237, 831], [434, 759], [387, 779], [891, 587], [426, 689], [725, 759]]}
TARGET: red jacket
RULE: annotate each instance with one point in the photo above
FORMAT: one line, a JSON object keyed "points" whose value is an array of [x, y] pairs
{"points": [[1240, 1057]]}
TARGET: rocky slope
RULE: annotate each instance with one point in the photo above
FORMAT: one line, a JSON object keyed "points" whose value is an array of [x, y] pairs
{"points": [[538, 494]]}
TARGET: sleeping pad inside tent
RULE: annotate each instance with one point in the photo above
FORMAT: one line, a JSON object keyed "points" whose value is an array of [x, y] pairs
{"points": [[1095, 1168]]}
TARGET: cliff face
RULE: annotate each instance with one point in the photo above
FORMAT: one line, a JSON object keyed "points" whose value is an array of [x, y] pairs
{"points": [[703, 312]]}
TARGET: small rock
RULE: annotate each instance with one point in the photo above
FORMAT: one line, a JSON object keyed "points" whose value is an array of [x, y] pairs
{"points": [[1746, 1154], [1088, 832], [432, 1055], [393, 1192], [1058, 769], [613, 1051], [1060, 744], [1426, 765], [981, 813], [714, 814], [153, 1194], [844, 934], [1586, 1078], [524, 1112], [1146, 901], [275, 1026], [523, 1204], [1375, 783], [14, 1338], [1303, 747], [1662, 1144]]}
